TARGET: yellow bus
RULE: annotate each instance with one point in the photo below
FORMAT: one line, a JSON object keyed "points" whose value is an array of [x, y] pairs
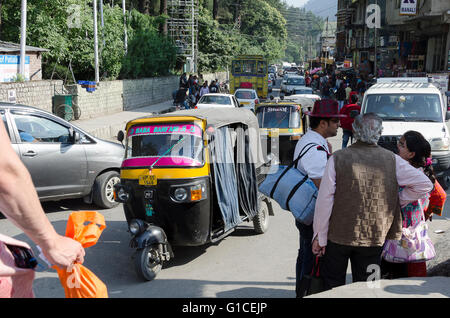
{"points": [[249, 71]]}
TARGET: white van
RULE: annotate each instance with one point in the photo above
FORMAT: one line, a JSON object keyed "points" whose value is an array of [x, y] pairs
{"points": [[412, 104]]}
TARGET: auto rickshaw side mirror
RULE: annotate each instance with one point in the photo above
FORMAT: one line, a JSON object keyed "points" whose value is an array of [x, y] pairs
{"points": [[120, 136], [354, 113]]}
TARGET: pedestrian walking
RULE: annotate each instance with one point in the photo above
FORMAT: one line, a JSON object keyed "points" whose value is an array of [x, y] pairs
{"points": [[357, 208], [347, 121], [340, 95], [204, 89], [20, 204], [183, 82], [415, 149], [324, 123], [213, 88]]}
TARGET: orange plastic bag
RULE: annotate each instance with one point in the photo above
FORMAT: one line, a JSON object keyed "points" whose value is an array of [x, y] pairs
{"points": [[78, 281]]}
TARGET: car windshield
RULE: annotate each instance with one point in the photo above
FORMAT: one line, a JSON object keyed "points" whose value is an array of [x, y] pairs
{"points": [[245, 95], [278, 117], [165, 145], [295, 81], [215, 99], [303, 91], [404, 107]]}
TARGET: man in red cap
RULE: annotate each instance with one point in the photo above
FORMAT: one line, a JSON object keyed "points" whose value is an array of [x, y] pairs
{"points": [[324, 123]]}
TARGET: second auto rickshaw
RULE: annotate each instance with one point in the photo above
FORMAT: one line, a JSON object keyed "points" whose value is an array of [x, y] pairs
{"points": [[281, 125], [190, 178]]}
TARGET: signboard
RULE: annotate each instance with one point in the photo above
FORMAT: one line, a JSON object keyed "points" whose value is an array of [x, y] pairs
{"points": [[10, 67], [408, 7]]}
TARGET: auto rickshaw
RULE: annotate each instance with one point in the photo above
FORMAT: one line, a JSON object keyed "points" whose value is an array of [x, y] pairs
{"points": [[189, 178], [282, 124]]}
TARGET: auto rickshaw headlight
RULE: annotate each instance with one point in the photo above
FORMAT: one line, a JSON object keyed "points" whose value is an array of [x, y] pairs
{"points": [[136, 226], [180, 194], [189, 192]]}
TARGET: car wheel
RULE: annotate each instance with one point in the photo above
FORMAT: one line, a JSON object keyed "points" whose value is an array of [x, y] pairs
{"points": [[103, 189]]}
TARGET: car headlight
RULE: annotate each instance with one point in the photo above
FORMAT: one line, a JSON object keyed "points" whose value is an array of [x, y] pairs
{"points": [[136, 226], [440, 144]]}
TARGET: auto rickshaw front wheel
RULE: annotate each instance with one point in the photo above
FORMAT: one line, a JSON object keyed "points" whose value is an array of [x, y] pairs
{"points": [[148, 262], [261, 220]]}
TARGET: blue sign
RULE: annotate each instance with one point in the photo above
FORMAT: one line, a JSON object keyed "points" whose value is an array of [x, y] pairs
{"points": [[13, 59]]}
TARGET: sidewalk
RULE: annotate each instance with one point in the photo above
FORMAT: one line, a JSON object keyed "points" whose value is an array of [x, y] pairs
{"points": [[106, 127]]}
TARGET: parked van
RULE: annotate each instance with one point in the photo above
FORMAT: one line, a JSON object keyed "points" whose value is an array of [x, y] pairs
{"points": [[412, 104]]}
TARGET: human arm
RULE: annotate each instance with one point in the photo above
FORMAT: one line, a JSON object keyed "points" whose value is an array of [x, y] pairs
{"points": [[324, 206], [20, 204], [416, 184]]}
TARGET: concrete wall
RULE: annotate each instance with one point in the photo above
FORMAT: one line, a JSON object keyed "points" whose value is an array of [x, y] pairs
{"points": [[109, 97], [34, 93]]}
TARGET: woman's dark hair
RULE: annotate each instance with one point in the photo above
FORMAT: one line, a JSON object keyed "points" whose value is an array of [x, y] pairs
{"points": [[415, 142]]}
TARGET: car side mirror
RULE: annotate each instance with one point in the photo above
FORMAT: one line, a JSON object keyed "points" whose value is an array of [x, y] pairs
{"points": [[120, 136], [354, 113], [74, 136]]}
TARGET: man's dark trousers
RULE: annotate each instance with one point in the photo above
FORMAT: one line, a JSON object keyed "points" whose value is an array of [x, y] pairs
{"points": [[305, 258], [334, 264]]}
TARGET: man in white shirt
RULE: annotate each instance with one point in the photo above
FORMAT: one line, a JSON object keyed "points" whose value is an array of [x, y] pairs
{"points": [[324, 123]]}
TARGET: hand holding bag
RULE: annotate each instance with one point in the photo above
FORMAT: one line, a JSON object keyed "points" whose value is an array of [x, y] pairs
{"points": [[414, 246], [312, 284], [78, 281], [291, 189]]}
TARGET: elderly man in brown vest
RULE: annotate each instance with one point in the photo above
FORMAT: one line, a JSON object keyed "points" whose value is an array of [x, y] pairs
{"points": [[358, 204]]}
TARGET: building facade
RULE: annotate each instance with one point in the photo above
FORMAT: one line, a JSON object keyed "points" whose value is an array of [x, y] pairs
{"points": [[411, 41]]}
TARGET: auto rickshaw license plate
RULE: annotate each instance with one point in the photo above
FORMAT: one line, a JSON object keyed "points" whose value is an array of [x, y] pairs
{"points": [[148, 180]]}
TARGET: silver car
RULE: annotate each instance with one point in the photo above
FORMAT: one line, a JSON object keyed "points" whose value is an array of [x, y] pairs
{"points": [[64, 161]]}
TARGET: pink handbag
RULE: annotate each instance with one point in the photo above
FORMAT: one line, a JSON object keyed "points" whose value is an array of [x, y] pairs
{"points": [[414, 246], [14, 281]]}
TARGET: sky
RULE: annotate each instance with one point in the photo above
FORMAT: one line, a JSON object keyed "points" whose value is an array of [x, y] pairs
{"points": [[296, 3]]}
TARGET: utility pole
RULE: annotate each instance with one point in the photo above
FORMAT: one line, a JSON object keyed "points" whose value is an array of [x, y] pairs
{"points": [[125, 26], [97, 77], [375, 49], [23, 37]]}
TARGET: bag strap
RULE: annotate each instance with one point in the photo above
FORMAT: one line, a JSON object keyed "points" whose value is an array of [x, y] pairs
{"points": [[294, 189], [316, 267], [291, 165]]}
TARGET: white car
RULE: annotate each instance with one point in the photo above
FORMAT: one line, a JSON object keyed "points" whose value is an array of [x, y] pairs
{"points": [[412, 103], [247, 97], [305, 92], [291, 83], [217, 101]]}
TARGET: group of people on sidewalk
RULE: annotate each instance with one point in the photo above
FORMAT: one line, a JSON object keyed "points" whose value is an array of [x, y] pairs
{"points": [[190, 90], [366, 194]]}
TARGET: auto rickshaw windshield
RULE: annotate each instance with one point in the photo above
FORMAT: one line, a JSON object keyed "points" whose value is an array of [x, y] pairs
{"points": [[278, 117], [160, 145]]}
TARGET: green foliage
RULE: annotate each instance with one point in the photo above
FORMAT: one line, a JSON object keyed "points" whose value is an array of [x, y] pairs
{"points": [[66, 29], [149, 54]]}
